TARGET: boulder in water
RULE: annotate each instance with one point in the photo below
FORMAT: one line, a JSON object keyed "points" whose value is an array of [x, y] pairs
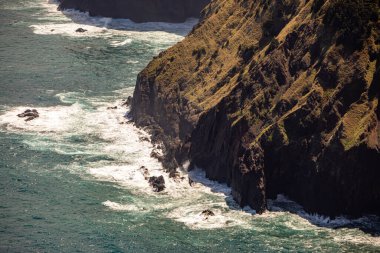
{"points": [[207, 213], [80, 30], [158, 183], [29, 114]]}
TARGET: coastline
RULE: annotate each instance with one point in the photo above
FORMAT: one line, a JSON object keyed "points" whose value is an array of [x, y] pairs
{"points": [[71, 177]]}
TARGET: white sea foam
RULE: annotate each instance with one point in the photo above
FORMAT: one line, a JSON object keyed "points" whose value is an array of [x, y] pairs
{"points": [[122, 207], [116, 43], [130, 149], [67, 22], [192, 217], [300, 219], [52, 119]]}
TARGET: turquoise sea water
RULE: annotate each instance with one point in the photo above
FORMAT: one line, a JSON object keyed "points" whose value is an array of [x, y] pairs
{"points": [[70, 180]]}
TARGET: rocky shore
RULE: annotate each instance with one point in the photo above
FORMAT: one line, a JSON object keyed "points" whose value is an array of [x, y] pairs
{"points": [[274, 97], [175, 11]]}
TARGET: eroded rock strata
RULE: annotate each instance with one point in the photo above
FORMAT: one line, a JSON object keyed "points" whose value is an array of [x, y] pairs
{"points": [[274, 97], [139, 10]]}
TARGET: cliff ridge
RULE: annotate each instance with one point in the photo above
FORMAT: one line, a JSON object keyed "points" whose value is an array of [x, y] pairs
{"points": [[274, 97]]}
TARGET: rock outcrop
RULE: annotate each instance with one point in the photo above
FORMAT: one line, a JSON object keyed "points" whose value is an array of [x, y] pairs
{"points": [[139, 10], [29, 114], [274, 97], [157, 183]]}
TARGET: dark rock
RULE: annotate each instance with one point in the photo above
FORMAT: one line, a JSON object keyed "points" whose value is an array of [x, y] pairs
{"points": [[111, 107], [207, 213], [143, 138], [157, 183], [30, 114], [80, 30], [156, 154], [176, 176]]}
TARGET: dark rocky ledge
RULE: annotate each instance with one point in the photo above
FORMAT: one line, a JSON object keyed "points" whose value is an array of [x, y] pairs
{"points": [[174, 11]]}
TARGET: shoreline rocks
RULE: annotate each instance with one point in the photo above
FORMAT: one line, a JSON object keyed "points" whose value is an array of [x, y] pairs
{"points": [[157, 183]]}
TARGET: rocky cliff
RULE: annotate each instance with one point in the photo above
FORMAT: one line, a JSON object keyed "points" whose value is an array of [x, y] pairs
{"points": [[274, 97], [139, 10]]}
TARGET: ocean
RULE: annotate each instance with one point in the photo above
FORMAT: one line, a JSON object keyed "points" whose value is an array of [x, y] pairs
{"points": [[71, 179]]}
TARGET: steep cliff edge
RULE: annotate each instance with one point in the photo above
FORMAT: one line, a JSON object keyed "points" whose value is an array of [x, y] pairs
{"points": [[139, 10], [274, 97]]}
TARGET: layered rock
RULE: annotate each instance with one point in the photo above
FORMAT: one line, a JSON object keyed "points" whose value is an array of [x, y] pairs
{"points": [[139, 10], [274, 97]]}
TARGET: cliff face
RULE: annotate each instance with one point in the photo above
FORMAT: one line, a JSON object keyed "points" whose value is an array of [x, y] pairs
{"points": [[274, 97], [139, 10]]}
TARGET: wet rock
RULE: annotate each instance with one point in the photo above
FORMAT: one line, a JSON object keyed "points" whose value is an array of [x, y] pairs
{"points": [[144, 138], [176, 176], [191, 182], [207, 213], [29, 114], [80, 30], [111, 107], [157, 183], [156, 154]]}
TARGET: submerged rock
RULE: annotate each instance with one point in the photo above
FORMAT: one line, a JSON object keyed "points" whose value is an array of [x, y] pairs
{"points": [[29, 114], [157, 183]]}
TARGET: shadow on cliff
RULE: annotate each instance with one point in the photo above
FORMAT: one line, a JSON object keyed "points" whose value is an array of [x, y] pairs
{"points": [[369, 224], [82, 18]]}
